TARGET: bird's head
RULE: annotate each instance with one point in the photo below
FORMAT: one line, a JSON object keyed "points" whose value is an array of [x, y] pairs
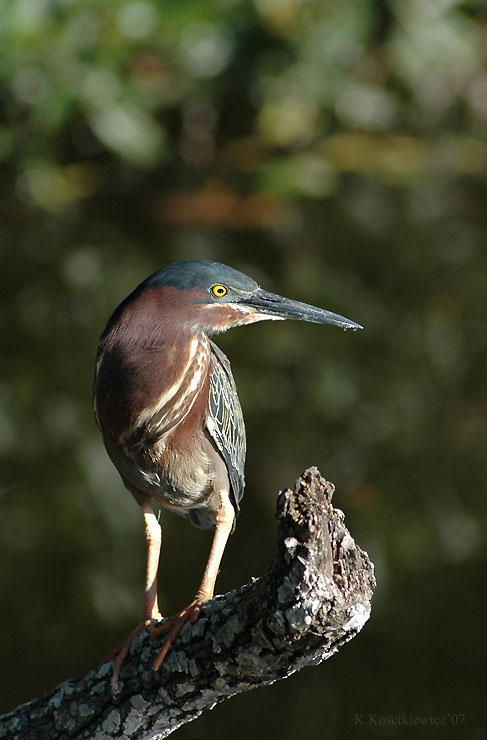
{"points": [[212, 297]]}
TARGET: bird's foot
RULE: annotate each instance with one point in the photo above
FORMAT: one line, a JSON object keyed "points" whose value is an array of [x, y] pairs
{"points": [[174, 625], [119, 653]]}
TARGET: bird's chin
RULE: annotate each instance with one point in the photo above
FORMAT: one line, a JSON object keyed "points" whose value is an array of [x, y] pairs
{"points": [[252, 316], [228, 315]]}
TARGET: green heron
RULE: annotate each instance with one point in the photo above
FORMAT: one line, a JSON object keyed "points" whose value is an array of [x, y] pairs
{"points": [[167, 406]]}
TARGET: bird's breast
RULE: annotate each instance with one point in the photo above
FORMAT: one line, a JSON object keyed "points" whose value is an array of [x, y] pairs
{"points": [[144, 394]]}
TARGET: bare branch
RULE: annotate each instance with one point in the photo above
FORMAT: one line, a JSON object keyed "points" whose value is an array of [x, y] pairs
{"points": [[314, 596]]}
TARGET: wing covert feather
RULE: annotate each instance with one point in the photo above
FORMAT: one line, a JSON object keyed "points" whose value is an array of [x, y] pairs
{"points": [[226, 424]]}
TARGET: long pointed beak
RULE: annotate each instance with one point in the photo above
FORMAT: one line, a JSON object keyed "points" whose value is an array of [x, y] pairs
{"points": [[275, 305]]}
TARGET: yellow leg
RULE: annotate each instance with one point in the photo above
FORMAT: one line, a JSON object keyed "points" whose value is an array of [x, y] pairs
{"points": [[151, 609], [224, 520], [153, 539]]}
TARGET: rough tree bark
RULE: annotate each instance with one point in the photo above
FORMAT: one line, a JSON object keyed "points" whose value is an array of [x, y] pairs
{"points": [[314, 597]]}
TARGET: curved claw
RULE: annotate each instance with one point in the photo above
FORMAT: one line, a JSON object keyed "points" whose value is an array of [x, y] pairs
{"points": [[120, 652], [174, 626]]}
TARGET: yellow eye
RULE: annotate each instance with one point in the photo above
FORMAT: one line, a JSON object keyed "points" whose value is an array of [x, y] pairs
{"points": [[219, 291]]}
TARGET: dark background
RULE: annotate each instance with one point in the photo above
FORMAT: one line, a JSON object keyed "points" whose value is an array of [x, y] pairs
{"points": [[334, 151]]}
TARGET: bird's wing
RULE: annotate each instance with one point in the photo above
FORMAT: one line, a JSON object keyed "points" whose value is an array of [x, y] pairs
{"points": [[226, 424]]}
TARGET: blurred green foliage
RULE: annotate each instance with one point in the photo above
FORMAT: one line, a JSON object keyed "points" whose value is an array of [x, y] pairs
{"points": [[336, 152]]}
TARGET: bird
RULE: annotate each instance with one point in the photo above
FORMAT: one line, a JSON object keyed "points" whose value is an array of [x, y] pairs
{"points": [[167, 406]]}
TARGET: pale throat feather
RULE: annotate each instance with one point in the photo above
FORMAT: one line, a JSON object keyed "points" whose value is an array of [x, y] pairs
{"points": [[227, 315], [175, 403]]}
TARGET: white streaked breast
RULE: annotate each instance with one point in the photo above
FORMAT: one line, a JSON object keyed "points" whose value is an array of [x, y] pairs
{"points": [[150, 411]]}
